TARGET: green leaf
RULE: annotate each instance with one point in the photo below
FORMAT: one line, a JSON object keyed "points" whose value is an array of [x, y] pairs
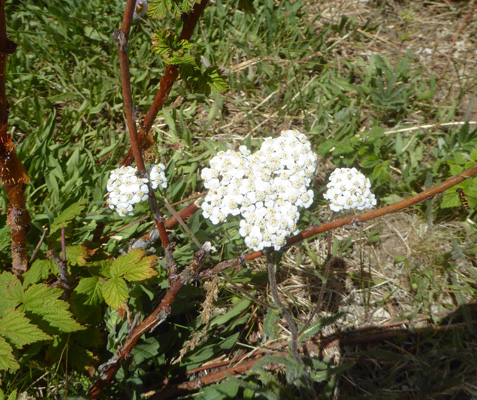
{"points": [[115, 291], [317, 326], [159, 8], [67, 215], [18, 329], [92, 288], [43, 301], [10, 291], [133, 266], [450, 199], [76, 255], [240, 307], [39, 271], [247, 6], [7, 360], [270, 326]]}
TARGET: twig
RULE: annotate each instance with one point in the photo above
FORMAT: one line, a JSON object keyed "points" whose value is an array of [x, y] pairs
{"points": [[464, 21], [122, 37], [37, 248], [430, 126]]}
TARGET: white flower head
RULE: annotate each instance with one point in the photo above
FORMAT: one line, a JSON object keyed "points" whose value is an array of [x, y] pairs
{"points": [[348, 189], [265, 188], [125, 188]]}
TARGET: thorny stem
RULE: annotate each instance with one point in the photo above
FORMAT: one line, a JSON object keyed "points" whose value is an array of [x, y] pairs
{"points": [[13, 173], [122, 37]]}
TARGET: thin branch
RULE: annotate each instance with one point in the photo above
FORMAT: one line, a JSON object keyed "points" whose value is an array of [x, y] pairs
{"points": [[122, 37]]}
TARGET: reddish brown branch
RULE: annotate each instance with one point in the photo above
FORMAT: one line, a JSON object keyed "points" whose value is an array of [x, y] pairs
{"points": [[122, 37], [171, 73], [12, 172]]}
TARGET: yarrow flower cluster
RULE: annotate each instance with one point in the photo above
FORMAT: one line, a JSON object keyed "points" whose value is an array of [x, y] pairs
{"points": [[125, 188], [348, 188], [266, 188]]}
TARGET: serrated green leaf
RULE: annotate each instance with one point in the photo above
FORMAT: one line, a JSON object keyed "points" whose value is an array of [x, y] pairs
{"points": [[159, 8], [92, 288], [173, 50], [10, 291], [216, 79], [76, 255], [67, 215], [40, 270], [270, 327], [450, 199], [18, 329], [133, 266], [43, 301], [115, 291], [7, 360]]}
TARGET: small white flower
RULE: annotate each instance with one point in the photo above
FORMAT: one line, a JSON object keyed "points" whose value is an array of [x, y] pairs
{"points": [[347, 189], [125, 188]]}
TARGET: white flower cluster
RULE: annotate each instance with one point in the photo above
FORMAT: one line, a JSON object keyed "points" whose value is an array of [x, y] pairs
{"points": [[157, 176], [125, 188], [265, 188], [348, 188]]}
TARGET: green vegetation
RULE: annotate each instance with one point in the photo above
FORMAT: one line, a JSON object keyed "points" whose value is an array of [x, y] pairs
{"points": [[407, 125]]}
